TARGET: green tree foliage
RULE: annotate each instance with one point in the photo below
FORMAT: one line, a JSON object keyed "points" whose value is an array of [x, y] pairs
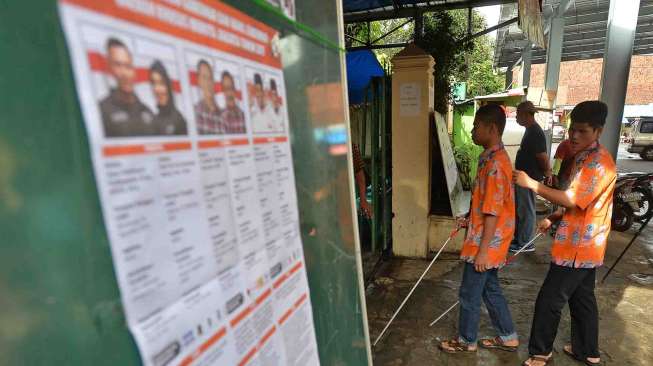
{"points": [[443, 32]]}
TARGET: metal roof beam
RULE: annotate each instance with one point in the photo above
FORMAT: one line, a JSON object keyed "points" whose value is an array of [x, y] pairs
{"points": [[378, 46], [409, 12], [488, 30]]}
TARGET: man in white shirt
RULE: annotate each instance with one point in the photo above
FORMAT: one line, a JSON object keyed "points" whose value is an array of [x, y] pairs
{"points": [[261, 120], [274, 108]]}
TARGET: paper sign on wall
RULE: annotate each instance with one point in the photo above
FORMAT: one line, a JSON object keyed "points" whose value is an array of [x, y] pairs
{"points": [[409, 99], [186, 112]]}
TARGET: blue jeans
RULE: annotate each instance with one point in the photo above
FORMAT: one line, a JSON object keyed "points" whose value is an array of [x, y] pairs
{"points": [[477, 285], [524, 217]]}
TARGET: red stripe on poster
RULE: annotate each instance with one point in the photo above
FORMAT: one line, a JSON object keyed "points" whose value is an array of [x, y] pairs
{"points": [[263, 297], [234, 33], [236, 142], [267, 140], [296, 267], [118, 150], [280, 281], [205, 346], [301, 300], [267, 336], [98, 63], [285, 316], [209, 144], [248, 356], [217, 87], [243, 314]]}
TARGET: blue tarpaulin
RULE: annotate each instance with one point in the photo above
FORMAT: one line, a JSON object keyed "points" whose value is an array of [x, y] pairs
{"points": [[359, 5], [361, 67]]}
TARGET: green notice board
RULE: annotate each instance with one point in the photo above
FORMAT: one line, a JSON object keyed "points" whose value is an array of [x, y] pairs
{"points": [[59, 299]]}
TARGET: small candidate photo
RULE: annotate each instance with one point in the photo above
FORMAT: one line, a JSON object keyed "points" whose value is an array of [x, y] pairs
{"points": [[168, 120], [126, 89], [206, 110], [216, 90], [259, 103], [230, 98], [275, 103]]}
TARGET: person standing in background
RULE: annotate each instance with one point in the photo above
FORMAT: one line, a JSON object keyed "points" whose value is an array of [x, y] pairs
{"points": [[533, 159], [580, 241]]}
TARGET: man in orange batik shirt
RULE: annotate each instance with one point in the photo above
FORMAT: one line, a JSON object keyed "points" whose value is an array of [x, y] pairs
{"points": [[491, 228], [579, 243]]}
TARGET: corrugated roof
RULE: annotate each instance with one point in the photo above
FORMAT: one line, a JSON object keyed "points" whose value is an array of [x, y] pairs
{"points": [[585, 31]]}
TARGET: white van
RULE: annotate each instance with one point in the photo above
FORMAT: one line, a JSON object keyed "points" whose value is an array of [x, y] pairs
{"points": [[641, 141]]}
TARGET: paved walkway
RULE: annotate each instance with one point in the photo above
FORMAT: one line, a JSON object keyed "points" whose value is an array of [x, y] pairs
{"points": [[626, 308]]}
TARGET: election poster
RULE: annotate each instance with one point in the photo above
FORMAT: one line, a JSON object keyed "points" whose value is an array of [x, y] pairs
{"points": [[186, 113]]}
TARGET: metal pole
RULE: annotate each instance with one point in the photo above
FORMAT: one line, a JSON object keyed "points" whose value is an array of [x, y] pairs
{"points": [[554, 54], [627, 247], [419, 28], [453, 233], [384, 147], [622, 22], [375, 104], [526, 54], [508, 78]]}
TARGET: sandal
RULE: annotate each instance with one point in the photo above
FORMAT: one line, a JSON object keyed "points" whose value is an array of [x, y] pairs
{"points": [[544, 359], [455, 346], [569, 352], [497, 343]]}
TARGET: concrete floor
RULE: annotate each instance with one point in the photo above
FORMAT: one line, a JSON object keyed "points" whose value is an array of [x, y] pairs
{"points": [[626, 313], [626, 308]]}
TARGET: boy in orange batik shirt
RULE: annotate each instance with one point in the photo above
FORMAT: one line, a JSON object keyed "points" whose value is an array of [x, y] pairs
{"points": [[491, 228], [579, 243]]}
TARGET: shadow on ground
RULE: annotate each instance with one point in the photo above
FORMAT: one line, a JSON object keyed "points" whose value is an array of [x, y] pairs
{"points": [[626, 308]]}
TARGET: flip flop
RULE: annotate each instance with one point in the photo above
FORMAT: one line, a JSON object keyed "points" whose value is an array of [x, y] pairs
{"points": [[496, 343], [457, 347], [544, 359], [573, 355]]}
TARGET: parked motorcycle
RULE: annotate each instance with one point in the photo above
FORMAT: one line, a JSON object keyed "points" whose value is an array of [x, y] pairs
{"points": [[633, 200]]}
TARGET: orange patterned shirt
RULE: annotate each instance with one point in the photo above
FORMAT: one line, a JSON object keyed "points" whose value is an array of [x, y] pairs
{"points": [[582, 234], [493, 194]]}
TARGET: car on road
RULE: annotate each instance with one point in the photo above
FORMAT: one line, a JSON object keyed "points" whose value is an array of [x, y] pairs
{"points": [[641, 138], [558, 133]]}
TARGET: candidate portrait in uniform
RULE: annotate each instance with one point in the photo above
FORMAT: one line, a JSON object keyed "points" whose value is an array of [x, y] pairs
{"points": [[123, 114]]}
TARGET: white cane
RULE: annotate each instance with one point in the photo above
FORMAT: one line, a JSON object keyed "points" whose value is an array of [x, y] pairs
{"points": [[453, 233], [507, 262]]}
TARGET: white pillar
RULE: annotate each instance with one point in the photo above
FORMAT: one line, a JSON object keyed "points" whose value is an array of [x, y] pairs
{"points": [[622, 22], [554, 53]]}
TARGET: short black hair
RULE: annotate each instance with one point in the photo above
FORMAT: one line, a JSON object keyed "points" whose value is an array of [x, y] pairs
{"points": [[592, 112], [205, 63], [258, 79], [494, 114], [227, 74], [115, 42], [273, 85]]}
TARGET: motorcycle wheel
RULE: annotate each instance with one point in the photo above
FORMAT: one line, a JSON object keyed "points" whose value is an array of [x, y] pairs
{"points": [[622, 217], [645, 204]]}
